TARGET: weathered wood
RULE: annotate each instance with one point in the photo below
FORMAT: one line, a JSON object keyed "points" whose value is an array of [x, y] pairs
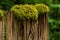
{"points": [[2, 28], [14, 29], [26, 30], [35, 29], [30, 31], [46, 27], [20, 31], [9, 20], [41, 26], [29, 36]]}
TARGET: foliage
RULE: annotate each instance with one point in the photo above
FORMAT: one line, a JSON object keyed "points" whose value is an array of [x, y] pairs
{"points": [[6, 4], [42, 8], [54, 23], [25, 12]]}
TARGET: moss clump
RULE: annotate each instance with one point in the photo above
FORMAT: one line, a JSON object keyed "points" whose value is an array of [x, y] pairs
{"points": [[42, 8], [1, 13], [25, 12]]}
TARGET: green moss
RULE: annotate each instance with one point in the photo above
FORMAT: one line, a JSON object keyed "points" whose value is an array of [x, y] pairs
{"points": [[42, 8], [1, 13], [25, 12]]}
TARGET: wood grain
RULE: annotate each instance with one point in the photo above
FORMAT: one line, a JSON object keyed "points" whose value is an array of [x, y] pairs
{"points": [[14, 29], [9, 20], [2, 28], [26, 30], [20, 31], [46, 27], [43, 27]]}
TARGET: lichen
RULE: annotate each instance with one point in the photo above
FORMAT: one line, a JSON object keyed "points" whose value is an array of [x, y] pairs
{"points": [[42, 8], [25, 12]]}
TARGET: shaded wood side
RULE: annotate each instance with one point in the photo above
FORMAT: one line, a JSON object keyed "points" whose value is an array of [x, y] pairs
{"points": [[14, 29], [9, 20], [25, 30], [2, 28], [20, 31], [41, 26]]}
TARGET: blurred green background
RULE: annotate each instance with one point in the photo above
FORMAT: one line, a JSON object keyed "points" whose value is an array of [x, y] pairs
{"points": [[53, 18]]}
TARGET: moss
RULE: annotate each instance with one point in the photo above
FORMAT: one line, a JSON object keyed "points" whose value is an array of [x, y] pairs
{"points": [[42, 8], [25, 12], [1, 13]]}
